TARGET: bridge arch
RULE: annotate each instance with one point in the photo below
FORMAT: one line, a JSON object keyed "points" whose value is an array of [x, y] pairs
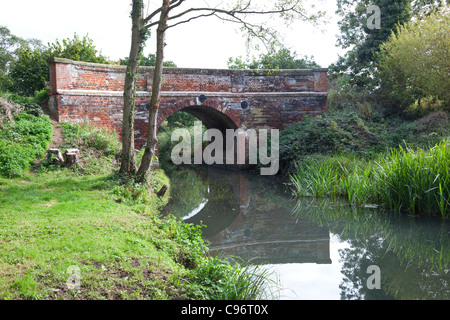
{"points": [[211, 111]]}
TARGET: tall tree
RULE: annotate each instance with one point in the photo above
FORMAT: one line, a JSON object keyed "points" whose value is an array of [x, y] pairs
{"points": [[24, 62], [10, 45], [252, 16], [362, 38]]}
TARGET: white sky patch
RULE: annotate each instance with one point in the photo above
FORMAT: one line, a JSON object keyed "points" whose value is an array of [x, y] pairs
{"points": [[203, 43]]}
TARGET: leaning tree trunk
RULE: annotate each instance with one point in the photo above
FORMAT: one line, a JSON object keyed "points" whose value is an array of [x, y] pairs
{"points": [[152, 138], [128, 160]]}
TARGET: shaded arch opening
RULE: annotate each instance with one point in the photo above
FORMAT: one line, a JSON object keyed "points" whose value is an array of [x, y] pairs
{"points": [[210, 118]]}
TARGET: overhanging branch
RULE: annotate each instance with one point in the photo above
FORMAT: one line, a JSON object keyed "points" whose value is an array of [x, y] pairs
{"points": [[207, 12]]}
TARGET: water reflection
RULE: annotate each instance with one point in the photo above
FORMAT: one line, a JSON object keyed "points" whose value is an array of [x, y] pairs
{"points": [[320, 248]]}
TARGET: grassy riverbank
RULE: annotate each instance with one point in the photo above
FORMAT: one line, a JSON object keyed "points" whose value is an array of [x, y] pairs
{"points": [[84, 233], [53, 222]]}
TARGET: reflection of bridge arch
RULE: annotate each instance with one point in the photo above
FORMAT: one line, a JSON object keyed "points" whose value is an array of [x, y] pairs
{"points": [[272, 238], [265, 236], [226, 192]]}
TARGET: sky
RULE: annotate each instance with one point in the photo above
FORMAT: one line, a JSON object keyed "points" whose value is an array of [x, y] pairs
{"points": [[203, 43]]}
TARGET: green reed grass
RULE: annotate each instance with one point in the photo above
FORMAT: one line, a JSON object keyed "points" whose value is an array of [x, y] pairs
{"points": [[251, 283], [320, 175], [415, 181]]}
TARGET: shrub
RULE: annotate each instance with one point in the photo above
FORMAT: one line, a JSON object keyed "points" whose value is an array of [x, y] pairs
{"points": [[319, 175], [413, 64], [22, 141], [414, 180], [341, 131], [88, 135], [99, 147], [30, 71]]}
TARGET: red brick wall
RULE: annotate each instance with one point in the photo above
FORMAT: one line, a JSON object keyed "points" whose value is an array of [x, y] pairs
{"points": [[86, 91]]}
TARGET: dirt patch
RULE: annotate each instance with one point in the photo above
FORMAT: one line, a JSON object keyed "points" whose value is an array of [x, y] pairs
{"points": [[48, 204], [57, 136]]}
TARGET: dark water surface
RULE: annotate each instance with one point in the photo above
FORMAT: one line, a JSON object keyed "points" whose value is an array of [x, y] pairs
{"points": [[317, 248]]}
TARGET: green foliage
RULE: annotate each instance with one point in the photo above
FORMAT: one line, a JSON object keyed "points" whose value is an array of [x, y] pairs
{"points": [[88, 135], [416, 181], [282, 59], [318, 175], [422, 8], [220, 280], [99, 147], [34, 101], [29, 72], [179, 119], [356, 123], [363, 43], [251, 283], [413, 64], [9, 45], [22, 141], [148, 61], [339, 131], [78, 49]]}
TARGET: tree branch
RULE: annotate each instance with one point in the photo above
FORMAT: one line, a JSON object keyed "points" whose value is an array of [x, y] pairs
{"points": [[174, 4], [192, 18], [212, 11]]}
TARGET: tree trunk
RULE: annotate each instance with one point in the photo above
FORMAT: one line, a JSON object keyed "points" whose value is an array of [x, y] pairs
{"points": [[152, 138], [128, 160]]}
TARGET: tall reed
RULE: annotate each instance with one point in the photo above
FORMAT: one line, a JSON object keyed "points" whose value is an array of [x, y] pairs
{"points": [[319, 175], [415, 181]]}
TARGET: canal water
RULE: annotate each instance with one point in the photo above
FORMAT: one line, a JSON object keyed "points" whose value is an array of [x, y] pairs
{"points": [[315, 248]]}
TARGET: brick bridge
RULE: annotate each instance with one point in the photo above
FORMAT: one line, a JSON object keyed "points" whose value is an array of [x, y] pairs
{"points": [[221, 99]]}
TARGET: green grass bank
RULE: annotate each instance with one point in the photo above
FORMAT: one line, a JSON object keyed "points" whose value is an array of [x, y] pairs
{"points": [[86, 233]]}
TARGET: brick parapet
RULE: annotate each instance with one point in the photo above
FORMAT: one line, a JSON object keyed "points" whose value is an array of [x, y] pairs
{"points": [[88, 91]]}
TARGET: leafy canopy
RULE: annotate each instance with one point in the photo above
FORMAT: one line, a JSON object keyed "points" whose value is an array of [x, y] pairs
{"points": [[282, 59], [363, 42], [414, 63], [148, 61], [23, 63]]}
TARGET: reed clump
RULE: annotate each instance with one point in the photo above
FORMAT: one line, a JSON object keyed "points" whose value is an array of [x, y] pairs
{"points": [[404, 180]]}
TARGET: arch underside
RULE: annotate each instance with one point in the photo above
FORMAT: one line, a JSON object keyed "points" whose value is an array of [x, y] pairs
{"points": [[211, 118]]}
